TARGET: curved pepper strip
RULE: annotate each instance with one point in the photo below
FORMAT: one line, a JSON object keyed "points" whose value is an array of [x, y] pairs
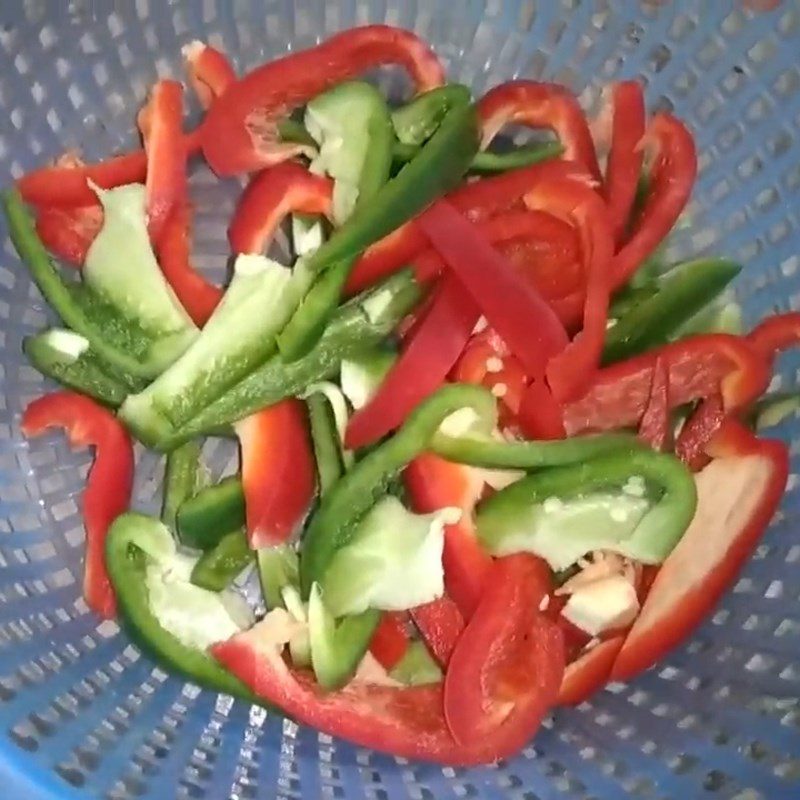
{"points": [[568, 372], [433, 483], [161, 124], [513, 307], [540, 105], [655, 426], [239, 133], [428, 356], [108, 486], [541, 246], [698, 430], [738, 492], [358, 490], [775, 334], [410, 721], [210, 73], [672, 177], [626, 154], [271, 195], [589, 672], [477, 200], [132, 538], [197, 295], [68, 232], [699, 367], [278, 472], [508, 664], [66, 184], [540, 415]]}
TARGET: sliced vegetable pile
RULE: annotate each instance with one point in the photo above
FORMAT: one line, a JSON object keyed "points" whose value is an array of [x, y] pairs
{"points": [[494, 452]]}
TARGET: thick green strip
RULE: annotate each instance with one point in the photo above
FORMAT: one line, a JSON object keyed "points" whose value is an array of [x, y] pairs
{"points": [[415, 122], [681, 294], [436, 170], [85, 373], [214, 511], [356, 327], [181, 480], [325, 437], [219, 567], [58, 294]]}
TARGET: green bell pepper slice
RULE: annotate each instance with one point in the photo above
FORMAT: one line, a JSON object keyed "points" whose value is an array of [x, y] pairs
{"points": [[417, 667], [134, 541], [357, 326], [353, 129], [437, 168], [337, 647], [182, 478], [326, 442], [682, 293], [208, 515], [339, 513], [526, 515], [277, 568], [70, 301], [487, 162], [219, 567], [66, 357], [415, 122]]}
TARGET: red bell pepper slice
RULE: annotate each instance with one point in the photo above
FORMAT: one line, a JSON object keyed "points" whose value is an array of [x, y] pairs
{"points": [[698, 431], [478, 200], [589, 672], [440, 623], [672, 177], [738, 492], [540, 415], [654, 427], [569, 371], [775, 334], [513, 307], [626, 154], [269, 197], [197, 295], [210, 73], [161, 124], [428, 356], [390, 640], [507, 667], [278, 472], [108, 487], [67, 185], [434, 483], [540, 105], [68, 232], [699, 366], [240, 130], [542, 247], [403, 721]]}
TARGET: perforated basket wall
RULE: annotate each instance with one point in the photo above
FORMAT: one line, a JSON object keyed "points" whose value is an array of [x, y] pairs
{"points": [[83, 714]]}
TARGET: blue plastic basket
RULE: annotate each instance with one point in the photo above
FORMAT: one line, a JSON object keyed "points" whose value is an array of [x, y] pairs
{"points": [[83, 714]]}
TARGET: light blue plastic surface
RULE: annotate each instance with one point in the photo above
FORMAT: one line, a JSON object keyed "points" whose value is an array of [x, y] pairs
{"points": [[83, 715]]}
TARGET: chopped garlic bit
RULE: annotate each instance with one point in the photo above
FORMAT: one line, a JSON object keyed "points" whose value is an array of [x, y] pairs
{"points": [[499, 390]]}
